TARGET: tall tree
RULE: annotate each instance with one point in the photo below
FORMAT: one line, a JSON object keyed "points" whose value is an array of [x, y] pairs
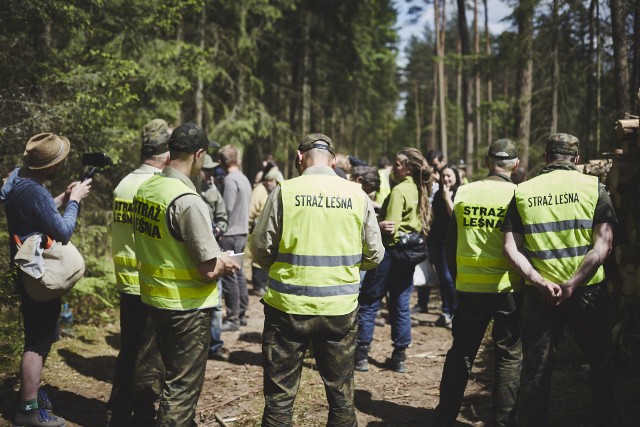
{"points": [[620, 60], [524, 83], [466, 86], [441, 88]]}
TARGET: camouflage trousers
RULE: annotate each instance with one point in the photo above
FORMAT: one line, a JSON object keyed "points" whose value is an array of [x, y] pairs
{"points": [[285, 340], [138, 374], [183, 340]]}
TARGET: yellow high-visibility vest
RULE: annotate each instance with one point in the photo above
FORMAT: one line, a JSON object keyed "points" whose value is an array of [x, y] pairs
{"points": [[479, 209], [122, 244], [169, 277], [557, 210], [317, 269]]}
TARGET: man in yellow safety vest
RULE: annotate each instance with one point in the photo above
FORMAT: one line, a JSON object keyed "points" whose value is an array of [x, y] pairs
{"points": [[486, 286], [557, 234], [315, 234], [179, 263]]}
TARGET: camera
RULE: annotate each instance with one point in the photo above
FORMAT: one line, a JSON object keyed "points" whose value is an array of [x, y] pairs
{"points": [[96, 162]]}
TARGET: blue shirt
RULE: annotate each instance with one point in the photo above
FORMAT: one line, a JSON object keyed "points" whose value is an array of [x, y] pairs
{"points": [[30, 209]]}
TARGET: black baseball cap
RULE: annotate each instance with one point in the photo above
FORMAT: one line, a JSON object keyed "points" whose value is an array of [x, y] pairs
{"points": [[189, 138]]}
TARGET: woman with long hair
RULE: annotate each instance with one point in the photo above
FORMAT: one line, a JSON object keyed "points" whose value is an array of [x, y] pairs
{"points": [[405, 210], [442, 213]]}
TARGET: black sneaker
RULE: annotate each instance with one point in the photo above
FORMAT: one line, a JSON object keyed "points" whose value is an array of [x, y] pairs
{"points": [[362, 358], [397, 361], [242, 321]]}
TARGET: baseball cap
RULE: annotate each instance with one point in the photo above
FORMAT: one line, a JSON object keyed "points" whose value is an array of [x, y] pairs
{"points": [[317, 140], [503, 149], [562, 143], [209, 163], [189, 138], [155, 136]]}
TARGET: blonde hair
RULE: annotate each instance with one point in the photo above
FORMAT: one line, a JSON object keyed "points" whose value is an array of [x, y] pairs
{"points": [[422, 175]]}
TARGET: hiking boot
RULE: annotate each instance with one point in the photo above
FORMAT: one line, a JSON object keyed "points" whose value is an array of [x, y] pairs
{"points": [[397, 361], [43, 401], [362, 358], [38, 418]]}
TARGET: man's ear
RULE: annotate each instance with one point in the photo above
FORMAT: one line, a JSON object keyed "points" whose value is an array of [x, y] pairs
{"points": [[576, 160], [334, 162]]}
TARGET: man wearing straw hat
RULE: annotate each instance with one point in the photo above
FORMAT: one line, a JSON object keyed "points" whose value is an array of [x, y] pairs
{"points": [[31, 209]]}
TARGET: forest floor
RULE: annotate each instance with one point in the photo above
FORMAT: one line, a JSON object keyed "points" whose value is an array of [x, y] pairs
{"points": [[78, 379]]}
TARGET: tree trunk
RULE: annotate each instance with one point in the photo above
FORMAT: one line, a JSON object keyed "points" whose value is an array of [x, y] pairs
{"points": [[487, 36], [306, 88], [555, 78], [635, 81], [589, 104], [476, 79], [620, 62], [199, 97], [433, 141], [416, 103], [524, 86], [466, 87], [441, 83], [598, 76], [459, 108]]}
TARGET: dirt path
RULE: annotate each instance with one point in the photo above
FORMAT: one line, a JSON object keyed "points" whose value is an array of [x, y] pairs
{"points": [[78, 379]]}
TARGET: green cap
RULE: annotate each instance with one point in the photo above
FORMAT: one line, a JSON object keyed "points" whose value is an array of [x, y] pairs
{"points": [[503, 149], [317, 140], [562, 143], [155, 135]]}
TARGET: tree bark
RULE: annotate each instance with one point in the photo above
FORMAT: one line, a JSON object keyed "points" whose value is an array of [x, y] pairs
{"points": [[620, 62], [199, 97], [487, 36], [441, 83], [466, 87], [524, 83], [476, 79], [555, 78], [635, 81]]}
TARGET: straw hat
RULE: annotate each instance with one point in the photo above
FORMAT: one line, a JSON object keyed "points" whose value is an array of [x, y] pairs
{"points": [[45, 150]]}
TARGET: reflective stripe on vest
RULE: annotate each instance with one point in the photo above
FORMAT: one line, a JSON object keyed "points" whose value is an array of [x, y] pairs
{"points": [[479, 209], [317, 269], [557, 211], [122, 244], [169, 277]]}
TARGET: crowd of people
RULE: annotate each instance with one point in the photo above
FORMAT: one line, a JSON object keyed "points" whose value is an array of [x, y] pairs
{"points": [[524, 256]]}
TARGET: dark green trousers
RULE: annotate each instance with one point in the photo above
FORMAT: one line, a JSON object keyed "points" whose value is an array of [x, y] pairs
{"points": [[285, 340], [183, 340], [475, 311], [138, 374]]}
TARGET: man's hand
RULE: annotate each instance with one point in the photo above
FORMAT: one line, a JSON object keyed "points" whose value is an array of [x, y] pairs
{"points": [[228, 267], [387, 227], [78, 190], [567, 291], [551, 292]]}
